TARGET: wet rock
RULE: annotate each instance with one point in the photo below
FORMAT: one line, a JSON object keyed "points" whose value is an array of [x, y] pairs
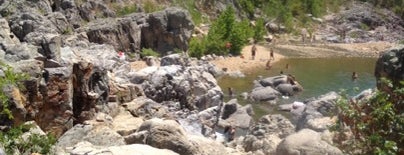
{"points": [[273, 81], [264, 94], [305, 142], [229, 108]]}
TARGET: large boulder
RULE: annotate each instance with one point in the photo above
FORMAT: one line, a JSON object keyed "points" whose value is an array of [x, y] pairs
{"points": [[273, 81], [173, 26], [164, 134], [306, 142], [264, 94], [123, 33], [192, 86], [389, 65], [84, 148], [97, 133], [317, 114]]}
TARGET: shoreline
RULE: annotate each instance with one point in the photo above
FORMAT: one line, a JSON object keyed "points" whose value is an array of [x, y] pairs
{"points": [[314, 50], [244, 63]]}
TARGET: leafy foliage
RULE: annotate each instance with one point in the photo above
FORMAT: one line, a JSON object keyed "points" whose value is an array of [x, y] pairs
{"points": [[259, 30], [150, 6], [196, 14], [225, 30], [126, 10], [13, 141], [9, 78], [377, 125], [149, 52], [196, 48]]}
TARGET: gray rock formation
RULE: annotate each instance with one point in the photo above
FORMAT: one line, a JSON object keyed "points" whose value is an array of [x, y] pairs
{"points": [[173, 26], [192, 86], [267, 134], [84, 148], [165, 134], [96, 133], [359, 22], [306, 142], [390, 66], [318, 112], [122, 33], [264, 94]]}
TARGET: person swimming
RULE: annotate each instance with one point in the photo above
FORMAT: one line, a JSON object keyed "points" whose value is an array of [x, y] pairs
{"points": [[354, 76]]}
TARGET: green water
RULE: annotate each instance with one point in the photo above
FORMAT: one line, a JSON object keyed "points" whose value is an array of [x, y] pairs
{"points": [[318, 76]]}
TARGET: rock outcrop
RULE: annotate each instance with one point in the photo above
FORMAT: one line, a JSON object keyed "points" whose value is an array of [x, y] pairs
{"points": [[265, 136], [305, 142], [317, 114], [268, 89], [389, 66], [173, 27], [189, 84]]}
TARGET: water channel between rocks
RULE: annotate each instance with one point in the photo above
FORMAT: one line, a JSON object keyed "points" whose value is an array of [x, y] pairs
{"points": [[318, 76]]}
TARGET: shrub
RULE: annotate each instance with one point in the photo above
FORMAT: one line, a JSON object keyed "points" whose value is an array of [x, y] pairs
{"points": [[148, 52], [9, 78], [126, 10], [259, 30], [196, 14], [377, 125], [196, 48], [13, 141], [149, 6], [226, 30]]}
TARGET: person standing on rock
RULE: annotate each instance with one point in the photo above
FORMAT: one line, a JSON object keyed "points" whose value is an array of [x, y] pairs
{"points": [[253, 51], [121, 56]]}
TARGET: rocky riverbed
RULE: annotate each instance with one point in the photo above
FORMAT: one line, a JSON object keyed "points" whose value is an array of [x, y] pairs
{"points": [[93, 102]]}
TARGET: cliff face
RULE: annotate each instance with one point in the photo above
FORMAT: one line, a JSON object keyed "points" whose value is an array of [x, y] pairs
{"points": [[67, 48]]}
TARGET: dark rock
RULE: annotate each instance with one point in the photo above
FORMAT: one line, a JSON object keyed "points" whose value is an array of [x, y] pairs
{"points": [[123, 34], [390, 66], [90, 89], [173, 26], [229, 108]]}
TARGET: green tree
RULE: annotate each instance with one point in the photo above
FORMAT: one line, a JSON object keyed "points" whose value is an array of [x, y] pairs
{"points": [[377, 124], [259, 30], [196, 48]]}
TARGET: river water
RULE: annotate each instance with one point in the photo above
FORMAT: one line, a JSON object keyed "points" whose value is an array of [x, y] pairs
{"points": [[318, 76]]}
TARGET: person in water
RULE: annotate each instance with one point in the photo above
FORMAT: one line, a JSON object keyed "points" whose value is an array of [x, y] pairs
{"points": [[354, 76], [230, 131], [230, 91]]}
